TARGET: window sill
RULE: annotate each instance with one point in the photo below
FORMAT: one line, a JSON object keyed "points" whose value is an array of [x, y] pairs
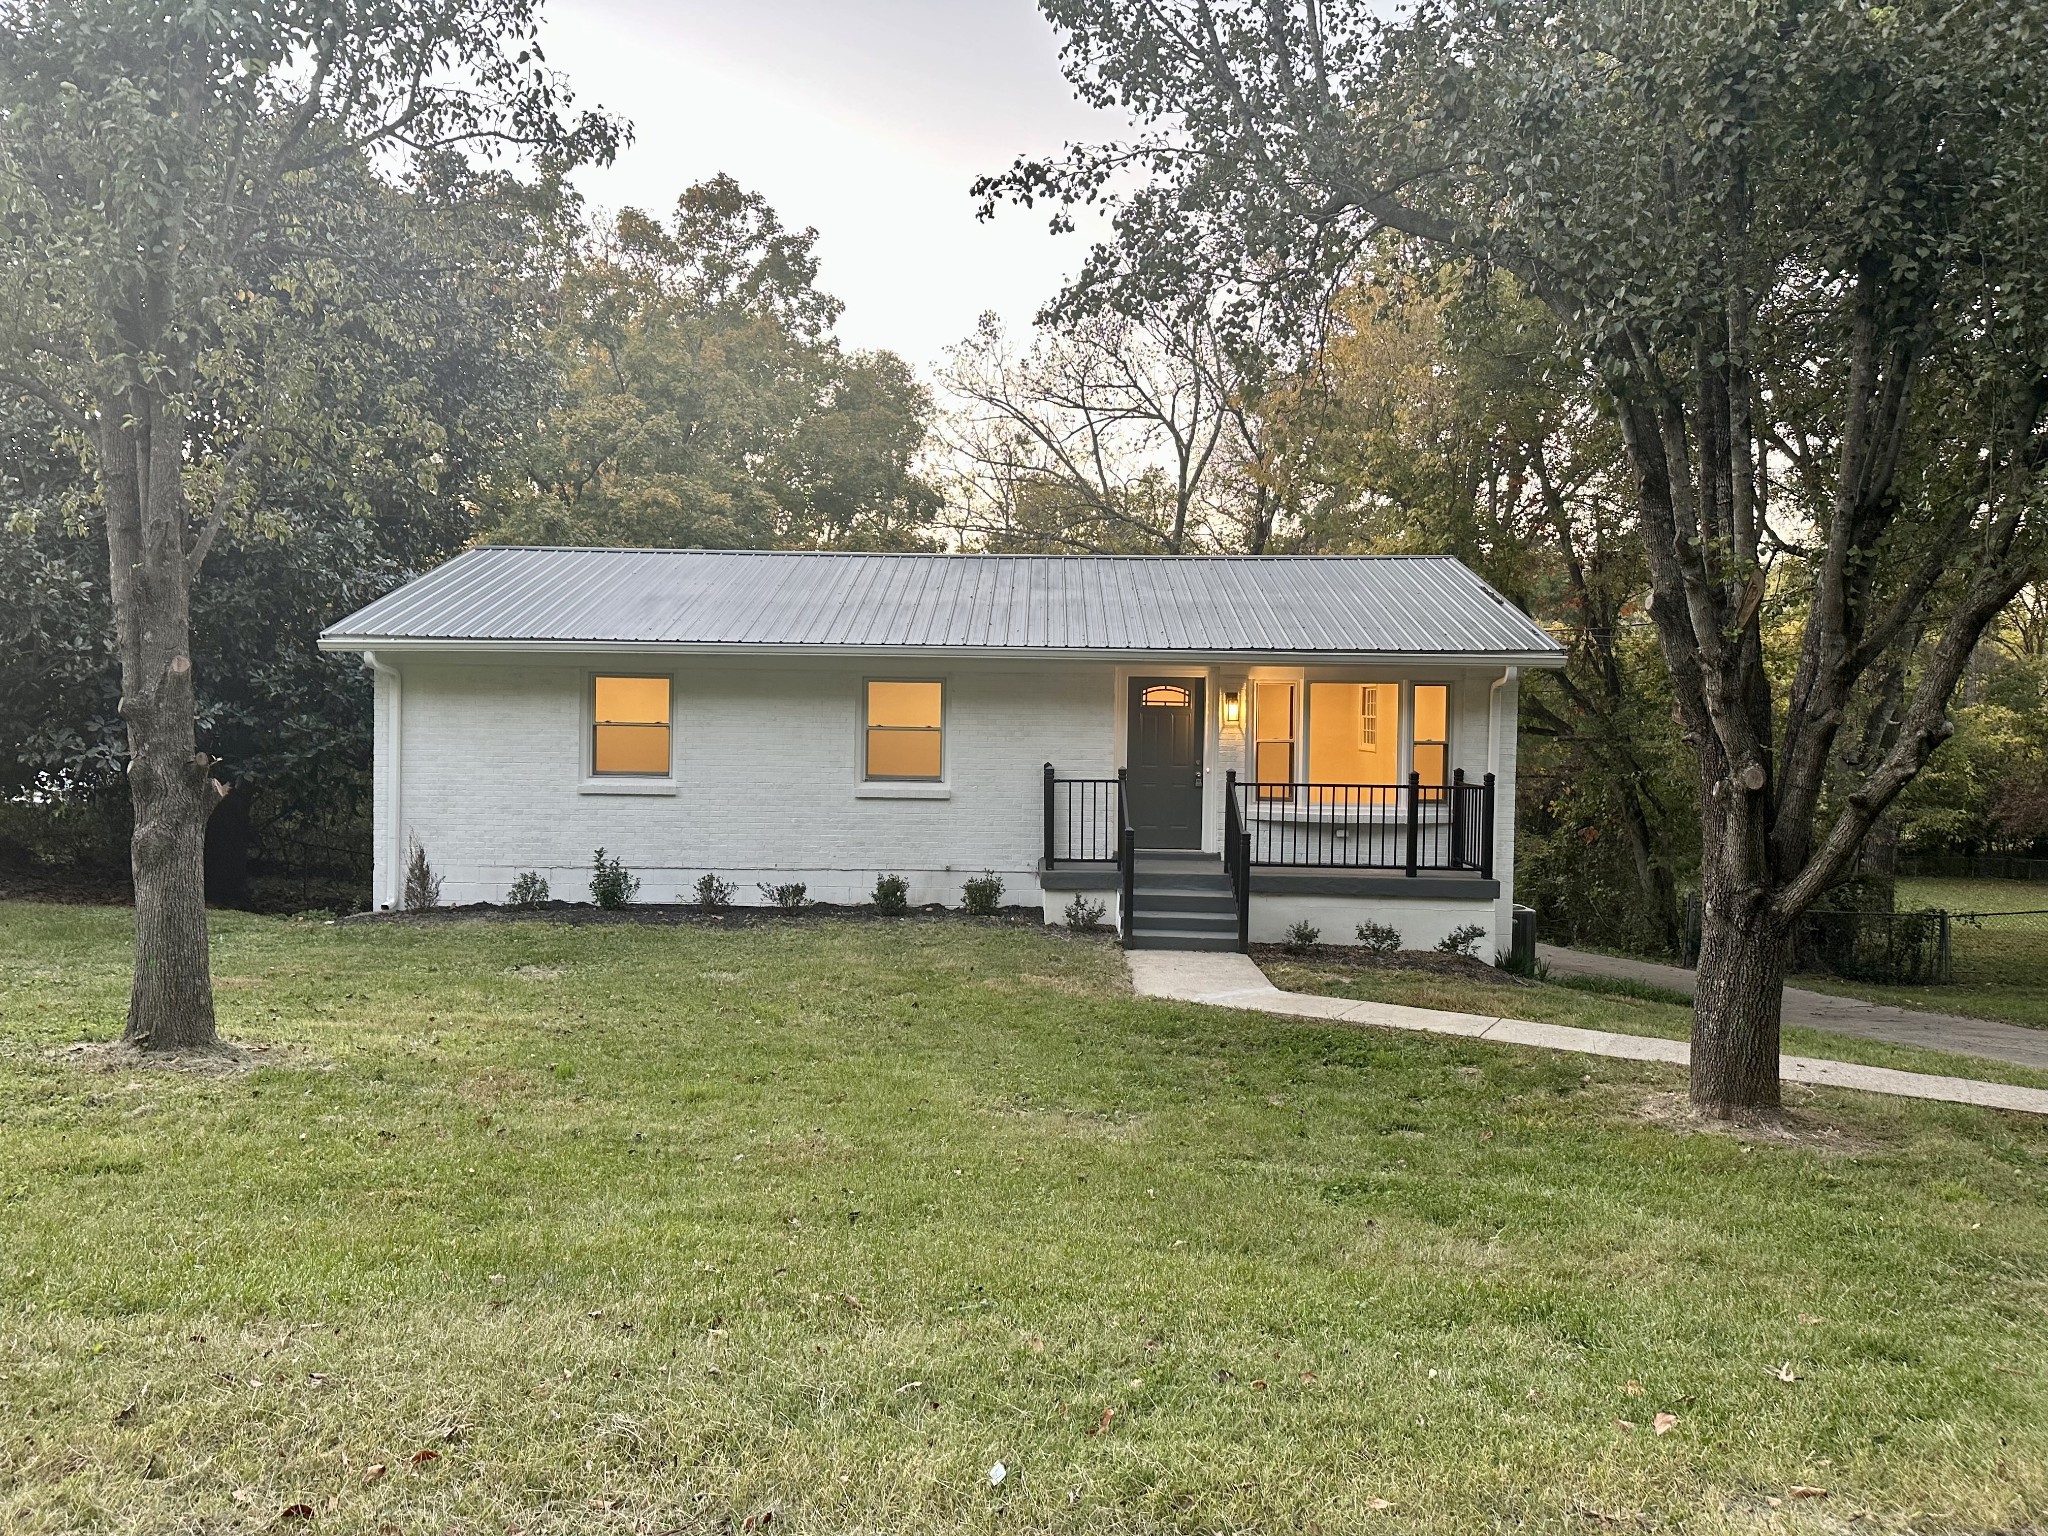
{"points": [[628, 787], [884, 790]]}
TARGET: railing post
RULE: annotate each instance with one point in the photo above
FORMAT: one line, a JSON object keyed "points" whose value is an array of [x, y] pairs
{"points": [[1126, 856], [1486, 833], [1048, 815], [1458, 819], [1414, 819]]}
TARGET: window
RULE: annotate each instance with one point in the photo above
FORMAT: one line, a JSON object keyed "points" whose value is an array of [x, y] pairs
{"points": [[1165, 696], [1432, 759], [1273, 739], [1351, 733], [629, 727], [905, 730]]}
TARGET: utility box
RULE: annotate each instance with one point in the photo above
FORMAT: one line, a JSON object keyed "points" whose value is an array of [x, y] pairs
{"points": [[1522, 939]]}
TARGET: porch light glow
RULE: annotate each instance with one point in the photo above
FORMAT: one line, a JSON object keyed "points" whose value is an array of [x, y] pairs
{"points": [[1233, 707]]}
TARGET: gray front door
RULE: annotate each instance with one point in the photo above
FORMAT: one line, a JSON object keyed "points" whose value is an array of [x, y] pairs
{"points": [[1166, 761]]}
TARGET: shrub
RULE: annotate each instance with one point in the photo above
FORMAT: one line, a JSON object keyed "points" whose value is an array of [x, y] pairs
{"points": [[892, 894], [1303, 935], [793, 897], [1462, 940], [1379, 938], [983, 894], [530, 889], [712, 893], [1083, 914], [422, 885], [610, 884]]}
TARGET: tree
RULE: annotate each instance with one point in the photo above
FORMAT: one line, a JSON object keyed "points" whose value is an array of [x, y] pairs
{"points": [[1781, 233], [151, 157], [704, 400]]}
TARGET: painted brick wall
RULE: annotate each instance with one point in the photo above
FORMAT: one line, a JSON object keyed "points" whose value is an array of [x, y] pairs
{"points": [[767, 764]]}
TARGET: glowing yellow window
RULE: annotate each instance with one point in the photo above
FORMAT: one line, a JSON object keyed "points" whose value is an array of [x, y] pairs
{"points": [[1273, 741], [1352, 737], [1432, 759], [905, 730], [629, 726]]}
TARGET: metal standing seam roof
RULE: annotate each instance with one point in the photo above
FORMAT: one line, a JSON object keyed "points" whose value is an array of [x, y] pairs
{"points": [[1294, 605]]}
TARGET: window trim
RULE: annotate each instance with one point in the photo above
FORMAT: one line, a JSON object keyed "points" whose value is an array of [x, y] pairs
{"points": [[592, 782], [1261, 737], [899, 786]]}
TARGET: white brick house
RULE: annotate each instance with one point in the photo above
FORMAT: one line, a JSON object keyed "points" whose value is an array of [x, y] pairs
{"points": [[1235, 743]]}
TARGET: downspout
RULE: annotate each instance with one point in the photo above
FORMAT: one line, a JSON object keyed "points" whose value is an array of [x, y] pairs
{"points": [[395, 853], [1504, 793]]}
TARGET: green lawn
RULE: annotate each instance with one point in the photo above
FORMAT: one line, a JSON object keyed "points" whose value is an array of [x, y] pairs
{"points": [[650, 1230], [2001, 966]]}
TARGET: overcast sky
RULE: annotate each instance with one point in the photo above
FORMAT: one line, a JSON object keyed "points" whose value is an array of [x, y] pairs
{"points": [[866, 119]]}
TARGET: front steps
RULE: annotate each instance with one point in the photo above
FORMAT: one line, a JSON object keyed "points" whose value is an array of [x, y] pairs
{"points": [[1182, 901]]}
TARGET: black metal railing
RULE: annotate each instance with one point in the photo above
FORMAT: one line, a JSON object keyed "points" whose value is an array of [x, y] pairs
{"points": [[1414, 827], [1237, 860], [1080, 820], [1126, 857]]}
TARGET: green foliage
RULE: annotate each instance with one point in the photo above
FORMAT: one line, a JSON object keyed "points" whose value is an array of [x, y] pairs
{"points": [[1081, 914], [1303, 935], [1462, 940], [705, 402], [422, 885], [713, 894], [792, 896], [1379, 938], [611, 885], [529, 889], [891, 894], [982, 896]]}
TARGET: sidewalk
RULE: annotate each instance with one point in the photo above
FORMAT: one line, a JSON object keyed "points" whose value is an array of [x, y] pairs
{"points": [[1230, 980], [1841, 1015]]}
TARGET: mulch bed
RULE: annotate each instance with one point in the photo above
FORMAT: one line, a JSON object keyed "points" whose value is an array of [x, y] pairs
{"points": [[582, 913], [1349, 957]]}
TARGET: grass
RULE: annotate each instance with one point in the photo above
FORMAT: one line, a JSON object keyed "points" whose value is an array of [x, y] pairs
{"points": [[644, 1229], [1622, 1005], [2001, 967]]}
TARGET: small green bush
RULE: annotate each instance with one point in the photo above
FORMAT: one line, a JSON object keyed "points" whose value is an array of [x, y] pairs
{"points": [[793, 897], [983, 895], [611, 886], [530, 889], [1083, 914], [1303, 935], [892, 894], [1379, 938], [1462, 940], [712, 893], [422, 885]]}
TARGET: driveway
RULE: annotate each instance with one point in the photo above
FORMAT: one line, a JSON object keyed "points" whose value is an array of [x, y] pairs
{"points": [[1841, 1015]]}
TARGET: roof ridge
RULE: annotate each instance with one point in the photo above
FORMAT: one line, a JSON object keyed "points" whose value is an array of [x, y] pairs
{"points": [[919, 554]]}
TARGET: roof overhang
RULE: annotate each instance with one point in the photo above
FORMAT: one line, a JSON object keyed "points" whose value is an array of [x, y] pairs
{"points": [[385, 645]]}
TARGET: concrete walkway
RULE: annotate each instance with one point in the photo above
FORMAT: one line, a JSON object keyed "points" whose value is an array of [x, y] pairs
{"points": [[1950, 1032], [1233, 981]]}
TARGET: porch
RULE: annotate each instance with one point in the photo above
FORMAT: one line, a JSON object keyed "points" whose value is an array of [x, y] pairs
{"points": [[1297, 844]]}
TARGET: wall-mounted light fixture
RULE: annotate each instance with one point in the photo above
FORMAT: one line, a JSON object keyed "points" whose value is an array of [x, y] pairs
{"points": [[1233, 707]]}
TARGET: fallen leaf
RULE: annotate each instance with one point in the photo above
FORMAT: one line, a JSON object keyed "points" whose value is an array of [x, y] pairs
{"points": [[1627, 1424], [1378, 1504], [1664, 1423], [1632, 1388], [421, 1457], [1809, 1319], [315, 1379], [243, 1496], [296, 1512], [1805, 1491], [852, 1301], [1535, 1396], [373, 1471], [126, 1414], [1102, 1423], [1308, 1375], [1784, 1372], [1259, 1386]]}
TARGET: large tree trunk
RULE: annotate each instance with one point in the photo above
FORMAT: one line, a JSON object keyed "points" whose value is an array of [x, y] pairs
{"points": [[1739, 994], [171, 1004]]}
